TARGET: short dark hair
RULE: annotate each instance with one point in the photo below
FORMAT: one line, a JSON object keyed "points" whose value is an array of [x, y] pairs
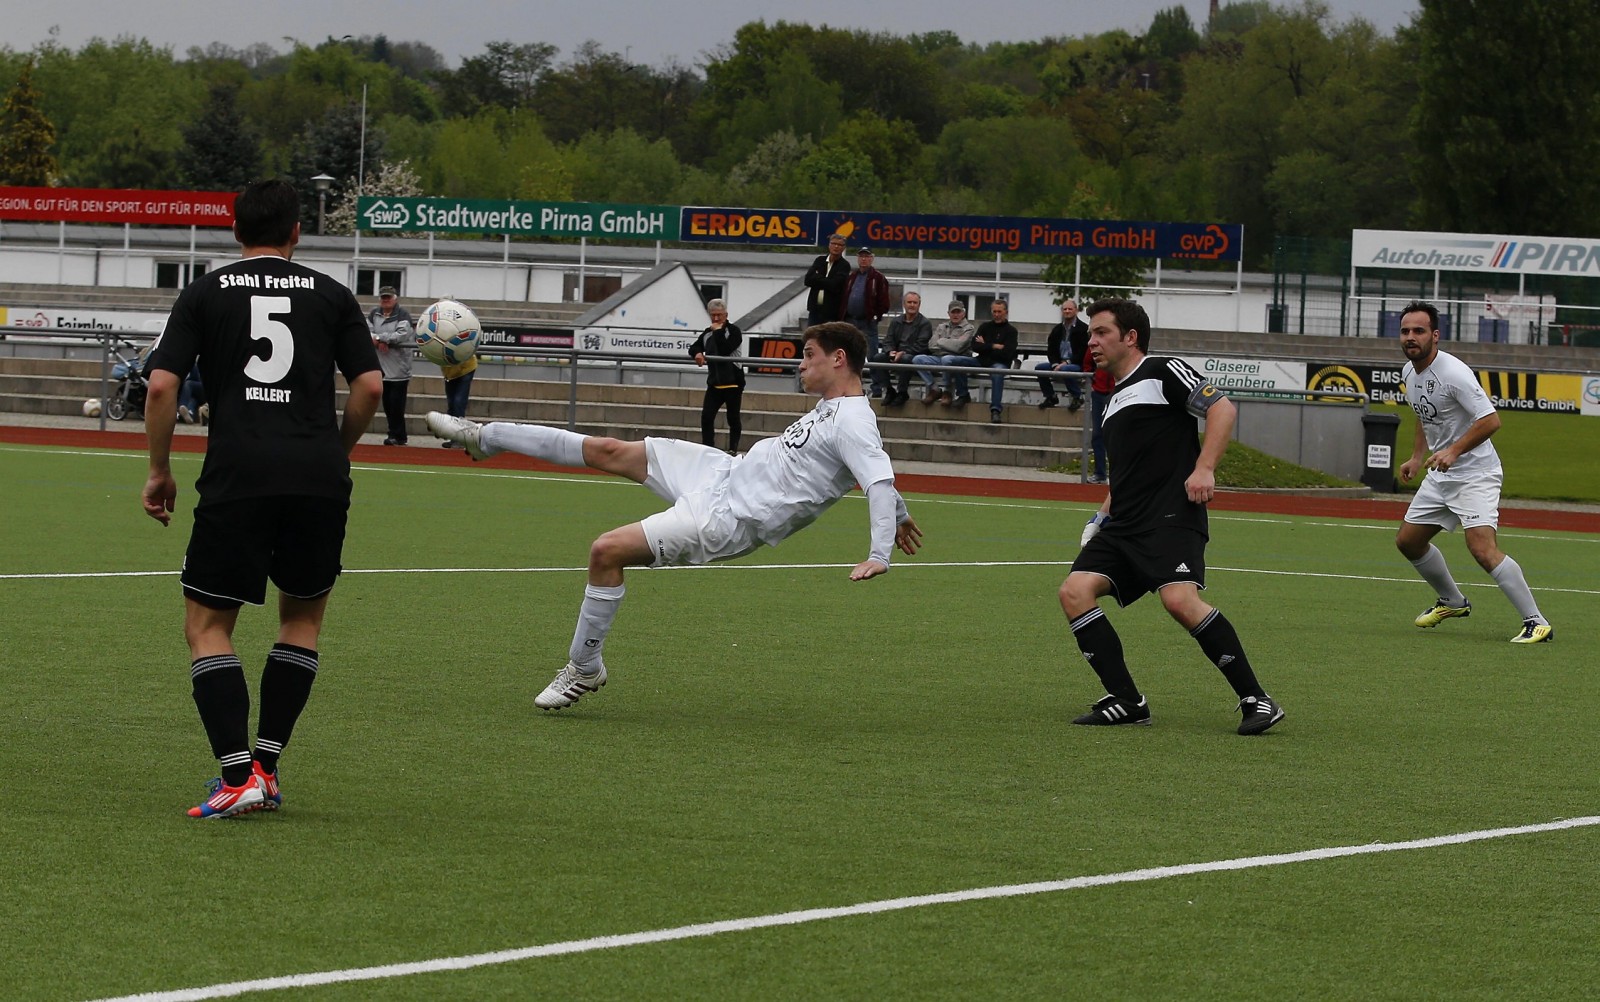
{"points": [[837, 334], [1418, 306], [264, 214], [1130, 316]]}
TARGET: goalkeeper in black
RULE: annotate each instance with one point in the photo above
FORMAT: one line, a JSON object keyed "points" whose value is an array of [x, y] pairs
{"points": [[1150, 532], [275, 488]]}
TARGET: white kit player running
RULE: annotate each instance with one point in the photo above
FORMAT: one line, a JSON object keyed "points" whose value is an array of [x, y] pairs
{"points": [[1455, 419], [722, 506]]}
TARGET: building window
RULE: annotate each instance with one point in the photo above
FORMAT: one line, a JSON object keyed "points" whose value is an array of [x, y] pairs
{"points": [[177, 274], [370, 280], [713, 290]]}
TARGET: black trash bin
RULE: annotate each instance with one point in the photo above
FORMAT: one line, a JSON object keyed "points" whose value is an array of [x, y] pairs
{"points": [[1379, 430]]}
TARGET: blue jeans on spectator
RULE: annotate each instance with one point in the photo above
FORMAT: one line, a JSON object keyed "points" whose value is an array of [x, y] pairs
{"points": [[456, 392], [960, 378], [869, 330], [1097, 420], [1047, 385]]}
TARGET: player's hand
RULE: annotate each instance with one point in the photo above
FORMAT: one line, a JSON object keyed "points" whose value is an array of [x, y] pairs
{"points": [[867, 569], [1092, 529], [1443, 459], [160, 493], [700, 359], [908, 537], [1408, 469], [1201, 486]]}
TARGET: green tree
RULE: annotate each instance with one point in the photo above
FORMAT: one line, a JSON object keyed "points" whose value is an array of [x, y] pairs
{"points": [[1171, 34], [333, 146], [624, 167], [1017, 165], [1099, 275], [1507, 127], [127, 102], [26, 136], [220, 149], [394, 179], [504, 76]]}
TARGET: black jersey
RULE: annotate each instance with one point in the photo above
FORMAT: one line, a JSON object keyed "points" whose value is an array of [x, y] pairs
{"points": [[269, 334], [1152, 443]]}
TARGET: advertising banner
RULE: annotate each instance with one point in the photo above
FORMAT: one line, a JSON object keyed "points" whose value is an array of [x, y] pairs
{"points": [[1547, 393], [1253, 374], [496, 335], [533, 219], [57, 318], [647, 342], [1482, 252], [774, 346], [117, 205], [789, 227], [1010, 234]]}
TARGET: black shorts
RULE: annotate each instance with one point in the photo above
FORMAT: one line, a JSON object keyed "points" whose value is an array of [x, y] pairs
{"points": [[1138, 564], [294, 540]]}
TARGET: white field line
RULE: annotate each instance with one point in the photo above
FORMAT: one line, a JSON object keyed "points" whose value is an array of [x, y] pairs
{"points": [[609, 481], [735, 568], [703, 929]]}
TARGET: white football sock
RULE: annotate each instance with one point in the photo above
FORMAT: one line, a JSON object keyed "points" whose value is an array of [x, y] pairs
{"points": [[1436, 572], [554, 445], [594, 622], [1509, 577]]}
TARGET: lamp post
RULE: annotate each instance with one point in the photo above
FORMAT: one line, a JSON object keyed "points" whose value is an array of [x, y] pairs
{"points": [[322, 181]]}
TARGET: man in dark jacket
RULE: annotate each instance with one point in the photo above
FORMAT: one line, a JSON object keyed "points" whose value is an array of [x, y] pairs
{"points": [[1065, 347], [866, 299], [724, 380], [907, 338], [826, 279], [996, 345]]}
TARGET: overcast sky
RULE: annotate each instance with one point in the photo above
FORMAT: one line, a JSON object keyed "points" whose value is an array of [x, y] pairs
{"points": [[644, 32]]}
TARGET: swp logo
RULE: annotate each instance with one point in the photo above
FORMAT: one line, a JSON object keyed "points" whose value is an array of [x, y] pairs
{"points": [[381, 215]]}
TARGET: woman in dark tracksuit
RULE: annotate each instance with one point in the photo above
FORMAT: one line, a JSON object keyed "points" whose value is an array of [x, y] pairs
{"points": [[724, 380]]}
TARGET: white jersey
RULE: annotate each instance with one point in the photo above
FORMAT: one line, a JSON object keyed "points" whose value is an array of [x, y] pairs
{"points": [[1448, 399], [784, 484]]}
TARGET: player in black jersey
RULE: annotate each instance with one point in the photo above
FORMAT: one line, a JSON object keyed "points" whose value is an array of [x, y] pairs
{"points": [[275, 487], [1150, 532]]}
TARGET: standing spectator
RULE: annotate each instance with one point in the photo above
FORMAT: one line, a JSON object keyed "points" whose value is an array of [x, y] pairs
{"points": [[908, 337], [1151, 530], [394, 337], [996, 346], [192, 396], [866, 300], [275, 487], [826, 279], [951, 340], [1462, 486], [1065, 348], [457, 388], [722, 507], [724, 380], [1100, 388]]}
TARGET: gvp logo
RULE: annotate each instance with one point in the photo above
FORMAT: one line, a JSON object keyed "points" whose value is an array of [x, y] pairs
{"points": [[1210, 245], [383, 216]]}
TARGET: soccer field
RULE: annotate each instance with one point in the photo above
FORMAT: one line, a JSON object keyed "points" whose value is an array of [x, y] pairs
{"points": [[794, 786]]}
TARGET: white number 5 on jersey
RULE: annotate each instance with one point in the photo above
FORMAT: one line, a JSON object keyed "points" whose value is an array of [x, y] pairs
{"points": [[280, 353]]}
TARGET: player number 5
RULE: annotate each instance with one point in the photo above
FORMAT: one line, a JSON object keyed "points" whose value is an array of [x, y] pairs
{"points": [[280, 353]]}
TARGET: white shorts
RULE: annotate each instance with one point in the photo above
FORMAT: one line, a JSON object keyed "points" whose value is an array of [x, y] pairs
{"points": [[1464, 503], [699, 528]]}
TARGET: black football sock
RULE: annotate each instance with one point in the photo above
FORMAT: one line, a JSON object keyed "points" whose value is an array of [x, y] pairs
{"points": [[1102, 648], [1220, 643], [285, 687], [223, 699]]}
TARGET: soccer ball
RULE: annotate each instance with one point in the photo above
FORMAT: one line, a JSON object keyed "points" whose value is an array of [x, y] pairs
{"points": [[448, 333], [91, 407]]}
